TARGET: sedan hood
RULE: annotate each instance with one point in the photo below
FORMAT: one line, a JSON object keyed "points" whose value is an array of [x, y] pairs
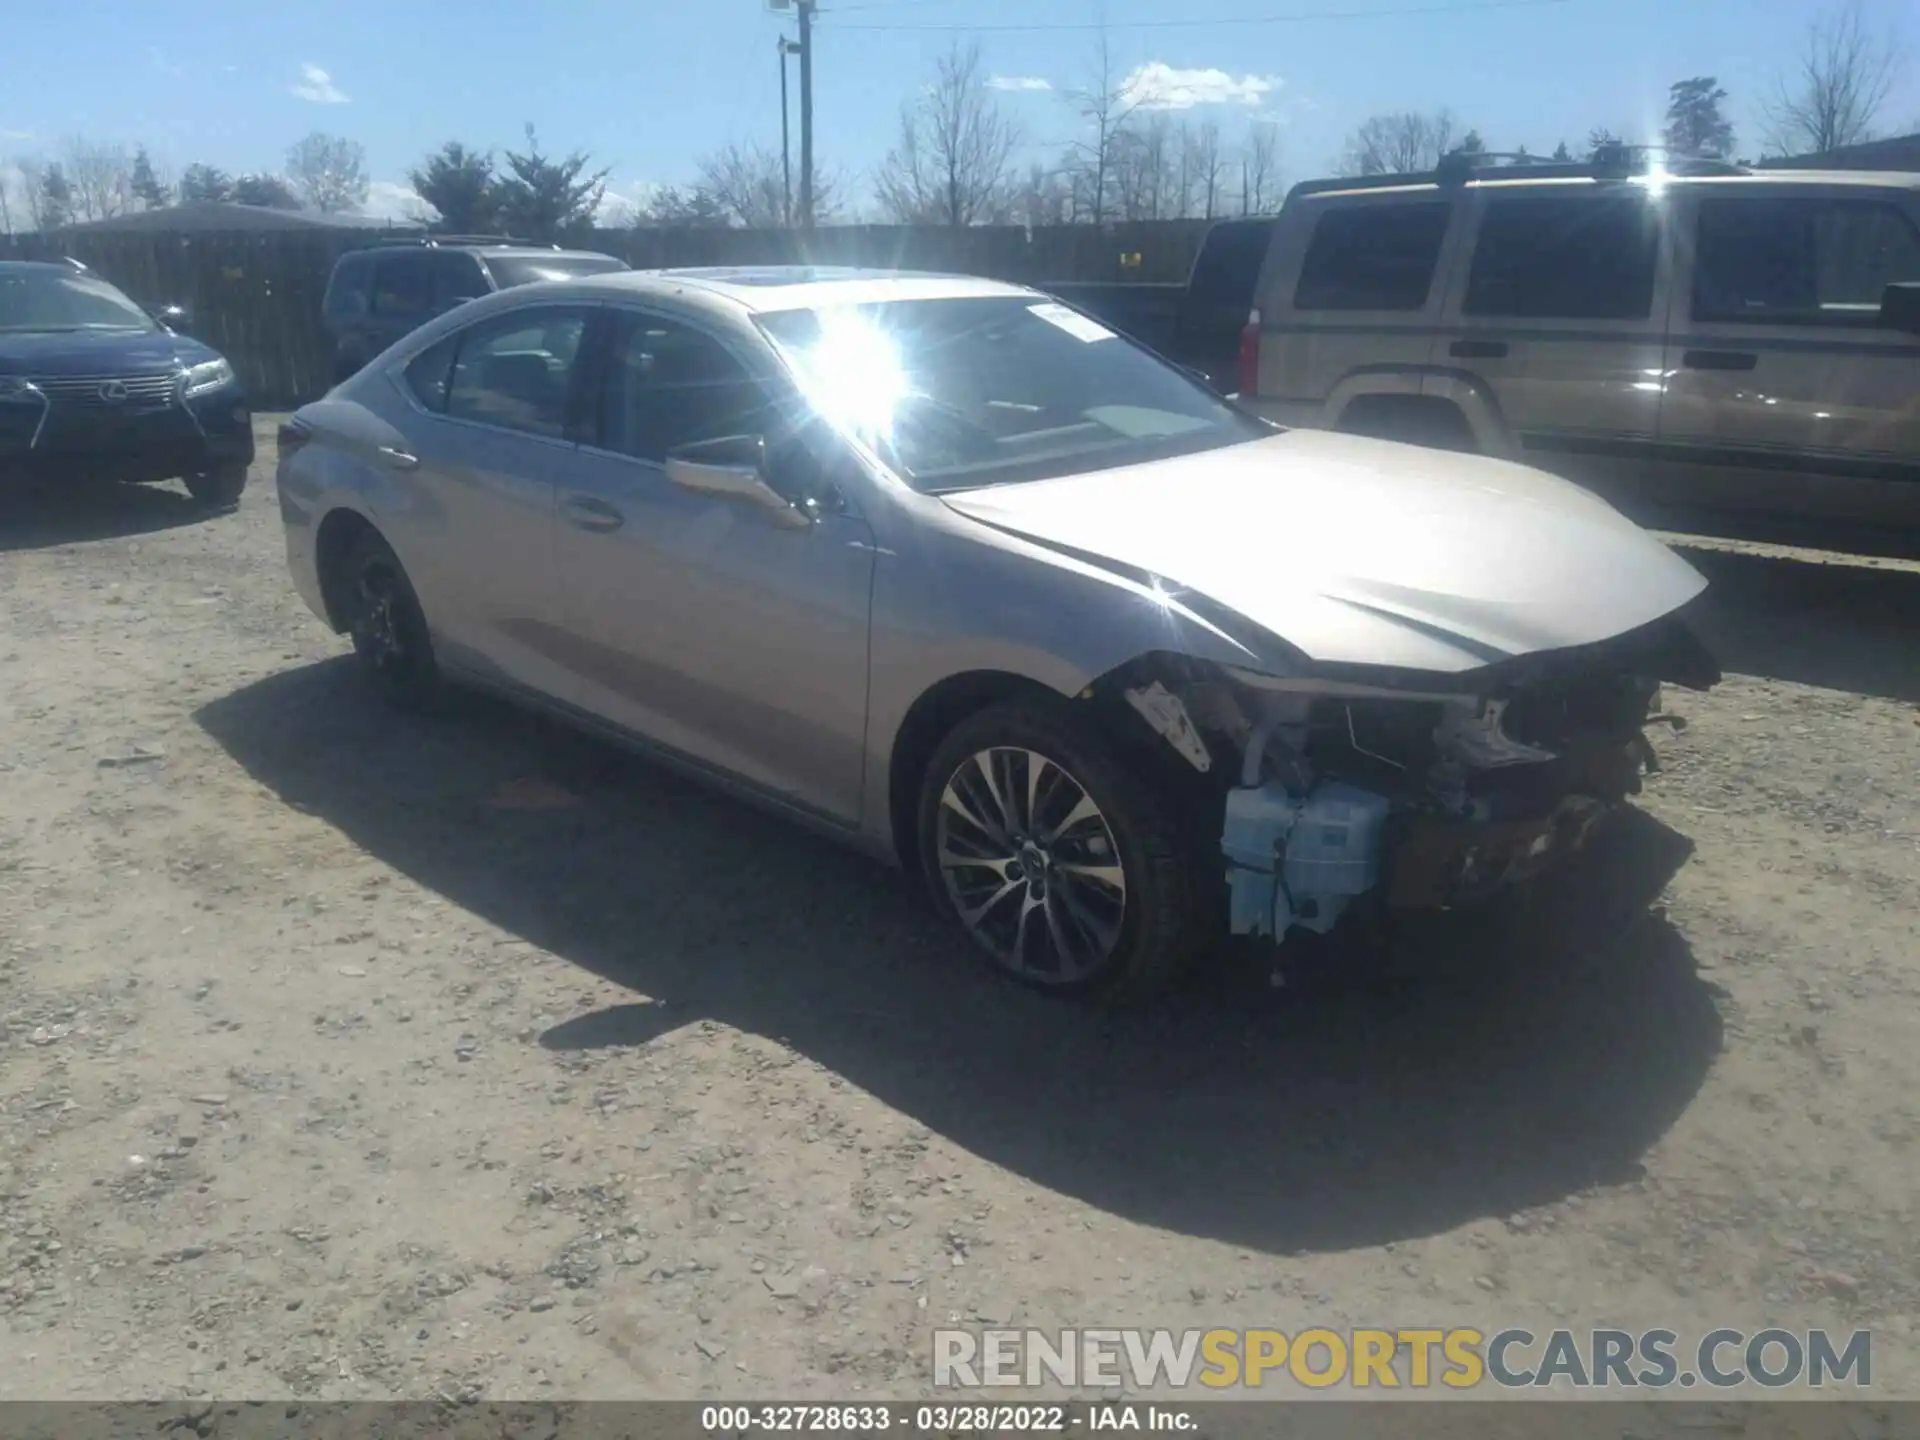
{"points": [[1360, 551], [99, 352]]}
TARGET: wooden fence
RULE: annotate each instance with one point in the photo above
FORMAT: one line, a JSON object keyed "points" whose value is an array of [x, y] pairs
{"points": [[255, 297]]}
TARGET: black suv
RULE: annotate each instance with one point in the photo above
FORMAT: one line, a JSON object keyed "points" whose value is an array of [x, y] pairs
{"points": [[381, 293]]}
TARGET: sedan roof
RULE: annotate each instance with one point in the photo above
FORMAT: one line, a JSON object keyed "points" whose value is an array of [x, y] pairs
{"points": [[766, 288]]}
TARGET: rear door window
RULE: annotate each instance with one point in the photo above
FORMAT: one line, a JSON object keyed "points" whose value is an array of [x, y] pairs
{"points": [[1799, 260], [1373, 257], [1566, 258]]}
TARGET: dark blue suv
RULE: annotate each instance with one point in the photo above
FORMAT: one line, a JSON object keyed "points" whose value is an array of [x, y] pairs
{"points": [[92, 387]]}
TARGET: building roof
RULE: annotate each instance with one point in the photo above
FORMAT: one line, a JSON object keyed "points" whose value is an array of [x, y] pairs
{"points": [[1896, 152], [209, 216]]}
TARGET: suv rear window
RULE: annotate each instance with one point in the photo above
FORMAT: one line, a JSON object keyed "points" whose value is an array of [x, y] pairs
{"points": [[1228, 266], [526, 269], [1567, 258], [1373, 257]]}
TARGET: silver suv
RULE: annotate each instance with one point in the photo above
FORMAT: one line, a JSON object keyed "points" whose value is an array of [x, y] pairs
{"points": [[1696, 335]]}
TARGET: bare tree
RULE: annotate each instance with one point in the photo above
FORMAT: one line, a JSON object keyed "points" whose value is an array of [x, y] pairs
{"points": [[1104, 105], [1206, 165], [747, 186], [101, 176], [1844, 77], [1260, 167], [953, 162], [6, 200], [1045, 198], [1404, 143], [329, 172], [1146, 169]]}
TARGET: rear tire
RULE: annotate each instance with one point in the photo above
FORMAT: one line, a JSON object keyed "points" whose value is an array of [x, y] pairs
{"points": [[1070, 868], [388, 627], [218, 489]]}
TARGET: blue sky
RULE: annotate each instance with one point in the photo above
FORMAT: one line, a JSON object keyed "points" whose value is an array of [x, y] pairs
{"points": [[647, 85]]}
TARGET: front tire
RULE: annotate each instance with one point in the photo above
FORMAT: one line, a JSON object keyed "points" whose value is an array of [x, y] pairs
{"points": [[388, 627], [1067, 866], [218, 489]]}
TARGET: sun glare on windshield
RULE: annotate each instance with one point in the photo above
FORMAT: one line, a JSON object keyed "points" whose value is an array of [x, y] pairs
{"points": [[853, 373]]}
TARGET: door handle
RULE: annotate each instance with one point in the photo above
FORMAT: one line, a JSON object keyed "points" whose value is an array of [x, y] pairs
{"points": [[585, 513], [399, 459], [1719, 360], [1478, 349]]}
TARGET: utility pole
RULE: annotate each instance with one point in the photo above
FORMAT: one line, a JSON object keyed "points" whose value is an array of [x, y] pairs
{"points": [[806, 111], [787, 47]]}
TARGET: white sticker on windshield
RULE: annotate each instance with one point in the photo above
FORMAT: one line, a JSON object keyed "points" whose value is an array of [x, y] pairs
{"points": [[1076, 325]]}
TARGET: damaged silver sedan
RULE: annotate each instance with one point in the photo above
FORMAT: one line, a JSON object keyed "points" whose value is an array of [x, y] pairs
{"points": [[949, 570]]}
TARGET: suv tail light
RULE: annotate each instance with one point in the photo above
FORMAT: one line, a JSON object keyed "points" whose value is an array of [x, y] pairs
{"points": [[1250, 355]]}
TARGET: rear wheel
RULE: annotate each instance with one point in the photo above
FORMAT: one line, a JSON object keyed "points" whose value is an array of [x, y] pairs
{"points": [[1066, 866], [218, 489], [388, 627]]}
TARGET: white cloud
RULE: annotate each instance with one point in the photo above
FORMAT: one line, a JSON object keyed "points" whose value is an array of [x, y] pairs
{"points": [[1019, 82], [391, 200], [317, 85], [163, 64], [622, 203], [1160, 86]]}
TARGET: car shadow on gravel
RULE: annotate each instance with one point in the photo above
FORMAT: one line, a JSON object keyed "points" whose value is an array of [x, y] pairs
{"points": [[1447, 1076], [40, 517], [1852, 627]]}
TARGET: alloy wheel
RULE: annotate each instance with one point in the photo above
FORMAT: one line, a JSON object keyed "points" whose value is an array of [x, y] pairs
{"points": [[377, 624], [1030, 865]]}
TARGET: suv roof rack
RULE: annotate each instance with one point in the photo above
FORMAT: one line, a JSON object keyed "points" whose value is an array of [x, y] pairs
{"points": [[1608, 162]]}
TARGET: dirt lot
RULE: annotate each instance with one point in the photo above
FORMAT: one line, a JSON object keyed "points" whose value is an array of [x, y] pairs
{"points": [[344, 1056]]}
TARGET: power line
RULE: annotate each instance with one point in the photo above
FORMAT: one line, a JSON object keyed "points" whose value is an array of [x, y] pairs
{"points": [[1454, 7]]}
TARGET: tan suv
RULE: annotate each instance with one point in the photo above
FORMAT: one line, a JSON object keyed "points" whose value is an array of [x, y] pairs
{"points": [[1691, 334]]}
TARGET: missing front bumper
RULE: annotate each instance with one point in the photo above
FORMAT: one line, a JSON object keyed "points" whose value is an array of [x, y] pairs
{"points": [[1436, 864]]}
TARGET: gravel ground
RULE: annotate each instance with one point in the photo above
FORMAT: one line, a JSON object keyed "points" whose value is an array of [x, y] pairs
{"points": [[343, 1056]]}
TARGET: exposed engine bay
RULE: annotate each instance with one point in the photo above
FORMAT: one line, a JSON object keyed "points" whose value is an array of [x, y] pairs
{"points": [[1426, 795]]}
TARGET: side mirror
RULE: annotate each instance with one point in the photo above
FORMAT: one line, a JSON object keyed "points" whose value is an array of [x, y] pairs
{"points": [[1900, 307], [734, 467], [175, 317]]}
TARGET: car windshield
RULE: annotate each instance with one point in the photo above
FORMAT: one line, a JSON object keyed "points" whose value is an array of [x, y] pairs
{"points": [[52, 300], [959, 393], [527, 269]]}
